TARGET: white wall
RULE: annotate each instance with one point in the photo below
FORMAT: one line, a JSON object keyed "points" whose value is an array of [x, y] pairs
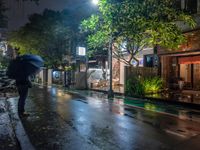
{"points": [[40, 75], [49, 80]]}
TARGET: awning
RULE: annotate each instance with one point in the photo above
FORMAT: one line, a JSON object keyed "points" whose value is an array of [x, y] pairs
{"points": [[189, 60]]}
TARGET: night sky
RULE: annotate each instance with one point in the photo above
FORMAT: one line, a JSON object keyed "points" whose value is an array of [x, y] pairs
{"points": [[19, 11]]}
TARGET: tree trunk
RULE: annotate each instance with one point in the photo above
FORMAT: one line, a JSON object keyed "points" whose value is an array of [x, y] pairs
{"points": [[137, 61]]}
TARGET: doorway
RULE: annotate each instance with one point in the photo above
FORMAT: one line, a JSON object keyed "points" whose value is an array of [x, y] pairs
{"points": [[186, 73], [196, 76], [190, 73]]}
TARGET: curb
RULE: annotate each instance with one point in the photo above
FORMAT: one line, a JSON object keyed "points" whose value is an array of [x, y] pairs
{"points": [[19, 131]]}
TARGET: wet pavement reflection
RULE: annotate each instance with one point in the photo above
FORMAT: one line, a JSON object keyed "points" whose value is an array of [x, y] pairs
{"points": [[184, 96], [62, 120], [179, 111]]}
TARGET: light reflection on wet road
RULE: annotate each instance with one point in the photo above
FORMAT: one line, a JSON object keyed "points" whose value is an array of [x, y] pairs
{"points": [[60, 120], [154, 106]]}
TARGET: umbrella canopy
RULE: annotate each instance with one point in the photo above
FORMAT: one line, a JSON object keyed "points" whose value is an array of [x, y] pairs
{"points": [[33, 59], [24, 66]]}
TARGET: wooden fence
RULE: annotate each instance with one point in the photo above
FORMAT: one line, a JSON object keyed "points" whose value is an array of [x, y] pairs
{"points": [[140, 71]]}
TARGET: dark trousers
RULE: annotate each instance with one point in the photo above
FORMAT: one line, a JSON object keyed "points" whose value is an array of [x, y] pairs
{"points": [[23, 93]]}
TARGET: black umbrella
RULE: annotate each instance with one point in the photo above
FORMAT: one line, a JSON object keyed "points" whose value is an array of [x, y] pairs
{"points": [[24, 66]]}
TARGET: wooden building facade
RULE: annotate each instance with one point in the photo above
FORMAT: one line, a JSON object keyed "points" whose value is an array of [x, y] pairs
{"points": [[182, 64]]}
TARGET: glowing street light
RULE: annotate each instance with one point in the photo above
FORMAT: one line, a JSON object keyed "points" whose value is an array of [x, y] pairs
{"points": [[95, 2]]}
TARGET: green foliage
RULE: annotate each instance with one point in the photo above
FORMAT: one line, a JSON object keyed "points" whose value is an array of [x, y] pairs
{"points": [[134, 87], [4, 61], [140, 86], [152, 85], [90, 24], [70, 68], [139, 23], [46, 34]]}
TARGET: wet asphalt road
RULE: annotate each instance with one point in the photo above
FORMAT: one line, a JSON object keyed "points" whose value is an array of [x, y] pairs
{"points": [[60, 120]]}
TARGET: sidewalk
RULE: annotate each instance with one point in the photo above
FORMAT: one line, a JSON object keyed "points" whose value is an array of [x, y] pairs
{"points": [[12, 133], [8, 138]]}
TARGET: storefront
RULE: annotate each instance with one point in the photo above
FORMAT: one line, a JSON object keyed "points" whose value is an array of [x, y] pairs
{"points": [[190, 71], [182, 64]]}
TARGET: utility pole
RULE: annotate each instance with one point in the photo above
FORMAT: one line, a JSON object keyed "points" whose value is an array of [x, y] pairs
{"points": [[110, 91]]}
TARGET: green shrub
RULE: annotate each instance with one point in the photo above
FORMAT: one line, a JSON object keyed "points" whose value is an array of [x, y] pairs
{"points": [[134, 87], [4, 61], [140, 86], [152, 85]]}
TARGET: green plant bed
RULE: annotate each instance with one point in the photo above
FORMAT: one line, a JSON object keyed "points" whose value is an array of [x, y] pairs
{"points": [[155, 92], [136, 86]]}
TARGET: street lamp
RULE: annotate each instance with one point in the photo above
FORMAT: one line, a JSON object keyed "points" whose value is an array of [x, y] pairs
{"points": [[110, 90], [81, 52], [95, 2]]}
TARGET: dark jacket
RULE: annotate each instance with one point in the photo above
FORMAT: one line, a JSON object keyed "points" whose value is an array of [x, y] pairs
{"points": [[25, 81]]}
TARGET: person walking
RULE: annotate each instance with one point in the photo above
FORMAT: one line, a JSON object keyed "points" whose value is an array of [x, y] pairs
{"points": [[20, 69], [22, 86]]}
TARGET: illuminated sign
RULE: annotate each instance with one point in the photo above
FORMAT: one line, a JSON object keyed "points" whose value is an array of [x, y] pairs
{"points": [[81, 51]]}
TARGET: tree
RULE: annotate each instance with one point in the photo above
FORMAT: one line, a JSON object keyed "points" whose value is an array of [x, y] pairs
{"points": [[45, 34], [134, 25], [3, 9], [3, 18], [35, 1]]}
